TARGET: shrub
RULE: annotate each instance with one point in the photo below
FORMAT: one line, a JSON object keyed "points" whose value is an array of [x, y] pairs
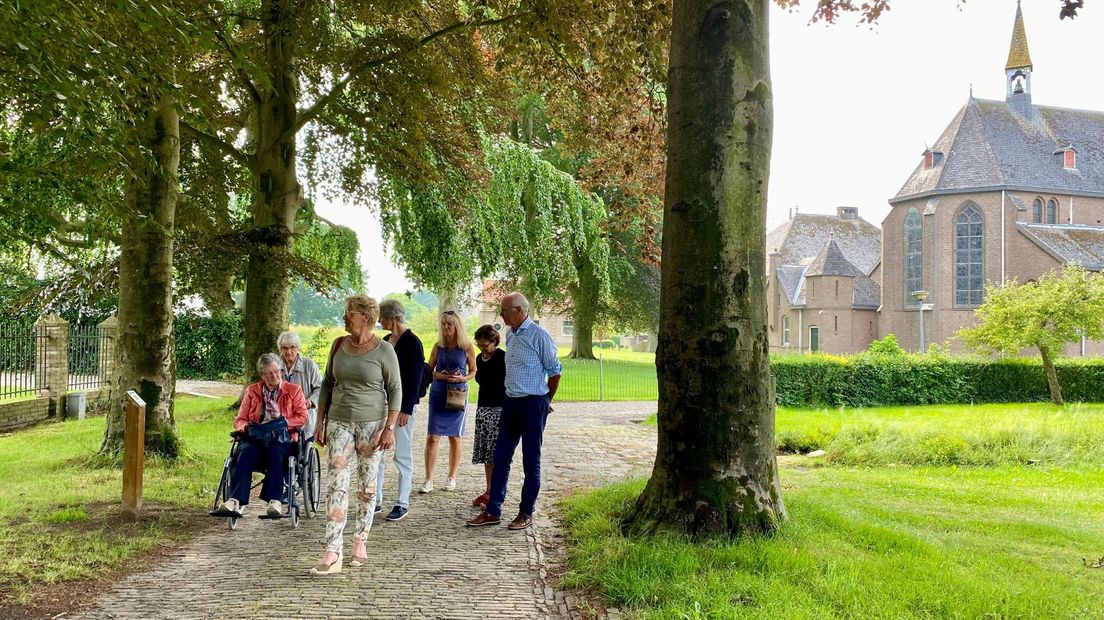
{"points": [[209, 347], [886, 346], [871, 380]]}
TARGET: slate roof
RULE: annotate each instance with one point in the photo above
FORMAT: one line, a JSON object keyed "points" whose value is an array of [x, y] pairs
{"points": [[993, 145], [803, 236], [830, 261], [1069, 243]]}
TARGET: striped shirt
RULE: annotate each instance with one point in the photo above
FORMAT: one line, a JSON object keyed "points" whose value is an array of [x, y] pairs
{"points": [[530, 360]]}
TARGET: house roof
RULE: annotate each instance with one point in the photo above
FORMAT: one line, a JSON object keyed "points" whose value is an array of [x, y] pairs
{"points": [[992, 145], [830, 261], [804, 235], [1018, 55], [1069, 243]]}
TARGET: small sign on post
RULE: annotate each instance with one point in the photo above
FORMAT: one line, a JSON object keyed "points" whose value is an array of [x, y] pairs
{"points": [[134, 455]]}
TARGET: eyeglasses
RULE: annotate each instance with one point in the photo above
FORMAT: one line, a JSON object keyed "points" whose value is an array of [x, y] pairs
{"points": [[350, 313]]}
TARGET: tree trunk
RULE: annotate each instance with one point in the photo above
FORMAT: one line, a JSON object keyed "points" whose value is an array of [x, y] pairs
{"points": [[1051, 375], [584, 310], [278, 194], [582, 339], [144, 356], [715, 470]]}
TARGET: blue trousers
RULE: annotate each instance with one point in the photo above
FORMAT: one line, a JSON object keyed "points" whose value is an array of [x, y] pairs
{"points": [[522, 419], [272, 461]]}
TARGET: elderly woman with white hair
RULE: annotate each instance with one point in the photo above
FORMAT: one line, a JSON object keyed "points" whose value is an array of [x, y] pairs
{"points": [[359, 407], [271, 411], [301, 371]]}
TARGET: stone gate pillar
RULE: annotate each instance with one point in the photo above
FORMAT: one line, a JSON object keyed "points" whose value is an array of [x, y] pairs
{"points": [[109, 333], [52, 364]]}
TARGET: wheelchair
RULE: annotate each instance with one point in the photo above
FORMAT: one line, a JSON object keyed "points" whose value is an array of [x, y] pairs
{"points": [[304, 478]]}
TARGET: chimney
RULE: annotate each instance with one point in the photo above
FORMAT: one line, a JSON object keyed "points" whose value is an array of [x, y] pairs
{"points": [[847, 213], [793, 211]]}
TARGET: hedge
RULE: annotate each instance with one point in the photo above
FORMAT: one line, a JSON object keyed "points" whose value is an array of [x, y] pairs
{"points": [[209, 347], [877, 380]]}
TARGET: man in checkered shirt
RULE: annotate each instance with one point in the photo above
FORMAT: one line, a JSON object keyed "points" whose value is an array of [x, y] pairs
{"points": [[532, 376]]}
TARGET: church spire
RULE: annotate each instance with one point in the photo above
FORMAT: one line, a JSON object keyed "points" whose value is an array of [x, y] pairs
{"points": [[1018, 55], [1017, 70]]}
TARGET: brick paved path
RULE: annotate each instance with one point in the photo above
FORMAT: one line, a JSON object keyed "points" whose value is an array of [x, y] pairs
{"points": [[426, 566]]}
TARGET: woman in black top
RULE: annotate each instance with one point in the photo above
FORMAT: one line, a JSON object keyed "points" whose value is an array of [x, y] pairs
{"points": [[490, 374]]}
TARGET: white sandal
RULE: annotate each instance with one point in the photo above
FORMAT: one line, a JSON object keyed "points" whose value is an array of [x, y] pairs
{"points": [[323, 569]]}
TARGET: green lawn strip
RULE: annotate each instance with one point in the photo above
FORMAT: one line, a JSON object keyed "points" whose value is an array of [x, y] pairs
{"points": [[968, 435], [59, 514], [873, 543]]}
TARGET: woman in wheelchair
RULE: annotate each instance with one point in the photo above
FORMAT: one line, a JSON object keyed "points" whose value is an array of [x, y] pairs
{"points": [[271, 413]]}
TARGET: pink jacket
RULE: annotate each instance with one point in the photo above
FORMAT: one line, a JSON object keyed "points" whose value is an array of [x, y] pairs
{"points": [[291, 402]]}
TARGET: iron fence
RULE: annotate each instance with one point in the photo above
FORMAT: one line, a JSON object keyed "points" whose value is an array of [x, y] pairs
{"points": [[22, 360], [88, 366]]}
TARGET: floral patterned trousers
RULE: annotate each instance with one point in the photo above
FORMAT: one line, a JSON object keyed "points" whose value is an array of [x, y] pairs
{"points": [[346, 441]]}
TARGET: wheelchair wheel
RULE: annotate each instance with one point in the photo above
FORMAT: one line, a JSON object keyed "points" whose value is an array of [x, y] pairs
{"points": [[311, 481], [223, 492], [292, 491]]}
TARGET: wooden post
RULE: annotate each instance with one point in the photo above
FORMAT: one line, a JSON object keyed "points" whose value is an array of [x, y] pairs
{"points": [[134, 455]]}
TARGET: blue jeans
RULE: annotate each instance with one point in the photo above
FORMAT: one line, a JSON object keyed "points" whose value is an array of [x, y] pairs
{"points": [[522, 419], [250, 458], [403, 451]]}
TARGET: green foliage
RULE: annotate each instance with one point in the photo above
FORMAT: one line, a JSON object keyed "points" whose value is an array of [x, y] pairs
{"points": [[209, 347], [1058, 309], [318, 347], [532, 223], [877, 380], [309, 307], [886, 346]]}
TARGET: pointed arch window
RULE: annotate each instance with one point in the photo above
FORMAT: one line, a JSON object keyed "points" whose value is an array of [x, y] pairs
{"points": [[1052, 211], [914, 254], [969, 230], [1037, 211]]}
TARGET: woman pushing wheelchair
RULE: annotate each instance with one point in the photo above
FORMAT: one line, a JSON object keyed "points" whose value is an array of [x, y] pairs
{"points": [[271, 413]]}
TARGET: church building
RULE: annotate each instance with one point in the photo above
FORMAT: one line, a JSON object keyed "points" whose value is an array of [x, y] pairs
{"points": [[1009, 191]]}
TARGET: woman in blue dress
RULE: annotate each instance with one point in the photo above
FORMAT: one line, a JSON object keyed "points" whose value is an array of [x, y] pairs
{"points": [[453, 362]]}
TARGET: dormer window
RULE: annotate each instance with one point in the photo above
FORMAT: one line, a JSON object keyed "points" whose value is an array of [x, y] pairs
{"points": [[1068, 157], [932, 159]]}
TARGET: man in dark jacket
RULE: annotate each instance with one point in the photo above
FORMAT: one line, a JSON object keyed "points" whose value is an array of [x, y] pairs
{"points": [[411, 356]]}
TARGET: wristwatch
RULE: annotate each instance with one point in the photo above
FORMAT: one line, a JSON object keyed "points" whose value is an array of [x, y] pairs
{"points": [[390, 427]]}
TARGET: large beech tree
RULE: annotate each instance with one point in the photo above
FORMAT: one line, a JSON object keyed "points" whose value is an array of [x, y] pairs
{"points": [[87, 67], [715, 469]]}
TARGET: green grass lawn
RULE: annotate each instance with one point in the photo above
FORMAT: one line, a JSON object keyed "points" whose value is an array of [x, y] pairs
{"points": [[1034, 434], [60, 510], [871, 536], [621, 375]]}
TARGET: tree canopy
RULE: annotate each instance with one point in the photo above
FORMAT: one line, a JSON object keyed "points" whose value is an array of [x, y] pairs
{"points": [[1058, 309]]}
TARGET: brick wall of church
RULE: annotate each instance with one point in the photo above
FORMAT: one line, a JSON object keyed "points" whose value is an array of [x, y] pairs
{"points": [[1023, 260]]}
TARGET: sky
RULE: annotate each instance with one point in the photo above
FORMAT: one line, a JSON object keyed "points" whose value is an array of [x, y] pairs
{"points": [[855, 106]]}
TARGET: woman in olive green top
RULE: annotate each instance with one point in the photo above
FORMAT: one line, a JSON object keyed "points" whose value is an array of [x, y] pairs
{"points": [[359, 406]]}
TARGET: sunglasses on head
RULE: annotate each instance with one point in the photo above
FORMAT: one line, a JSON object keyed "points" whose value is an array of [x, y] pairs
{"points": [[448, 313]]}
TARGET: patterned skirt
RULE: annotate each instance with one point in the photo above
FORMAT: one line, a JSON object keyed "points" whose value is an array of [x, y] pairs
{"points": [[486, 433]]}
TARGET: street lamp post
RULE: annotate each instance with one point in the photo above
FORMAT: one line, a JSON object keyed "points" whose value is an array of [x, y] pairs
{"points": [[920, 296]]}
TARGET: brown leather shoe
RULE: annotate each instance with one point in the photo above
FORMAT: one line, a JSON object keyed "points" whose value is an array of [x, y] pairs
{"points": [[520, 522], [483, 519]]}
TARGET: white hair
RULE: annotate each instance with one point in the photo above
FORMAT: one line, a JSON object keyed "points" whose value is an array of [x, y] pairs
{"points": [[288, 339], [392, 309], [267, 360], [519, 300]]}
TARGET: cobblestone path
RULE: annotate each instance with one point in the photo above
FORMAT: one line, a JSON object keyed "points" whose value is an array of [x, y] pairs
{"points": [[428, 565]]}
